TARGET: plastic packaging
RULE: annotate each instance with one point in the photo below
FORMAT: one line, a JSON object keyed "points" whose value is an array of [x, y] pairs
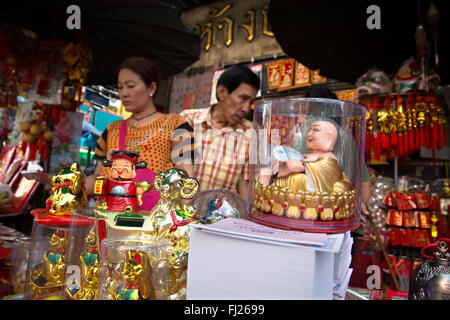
{"points": [[134, 268], [306, 164]]}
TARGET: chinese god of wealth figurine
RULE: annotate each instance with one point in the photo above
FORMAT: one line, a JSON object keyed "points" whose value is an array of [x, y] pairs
{"points": [[170, 220], [118, 192], [431, 280], [68, 191], [311, 186], [89, 266], [48, 276]]}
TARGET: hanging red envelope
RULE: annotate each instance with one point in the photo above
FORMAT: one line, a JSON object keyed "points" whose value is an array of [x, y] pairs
{"points": [[422, 200], [408, 219], [409, 201], [406, 237], [424, 219], [395, 217], [422, 239], [394, 236]]}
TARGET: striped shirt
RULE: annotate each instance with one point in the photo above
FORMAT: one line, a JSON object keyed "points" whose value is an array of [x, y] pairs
{"points": [[222, 157]]}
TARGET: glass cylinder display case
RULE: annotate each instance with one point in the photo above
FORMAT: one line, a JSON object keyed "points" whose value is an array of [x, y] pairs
{"points": [[307, 157], [134, 268], [83, 258], [46, 260]]}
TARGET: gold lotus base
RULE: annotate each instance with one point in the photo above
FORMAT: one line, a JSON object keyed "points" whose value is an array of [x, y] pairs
{"points": [[303, 205]]}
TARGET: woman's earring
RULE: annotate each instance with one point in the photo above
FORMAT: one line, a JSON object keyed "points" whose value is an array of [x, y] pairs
{"points": [[150, 94]]}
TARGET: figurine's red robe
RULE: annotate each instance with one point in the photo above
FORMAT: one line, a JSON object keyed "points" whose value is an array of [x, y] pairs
{"points": [[119, 195]]}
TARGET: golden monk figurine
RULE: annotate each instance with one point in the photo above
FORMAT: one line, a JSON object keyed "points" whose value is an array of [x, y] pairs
{"points": [[311, 186], [170, 219], [89, 266], [48, 276]]}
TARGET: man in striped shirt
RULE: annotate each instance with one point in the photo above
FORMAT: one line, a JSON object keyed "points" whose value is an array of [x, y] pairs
{"points": [[222, 134]]}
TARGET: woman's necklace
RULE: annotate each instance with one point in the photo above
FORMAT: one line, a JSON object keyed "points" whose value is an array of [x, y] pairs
{"points": [[134, 145], [136, 119]]}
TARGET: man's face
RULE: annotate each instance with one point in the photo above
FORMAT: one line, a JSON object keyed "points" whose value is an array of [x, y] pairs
{"points": [[236, 105], [321, 136], [122, 169]]}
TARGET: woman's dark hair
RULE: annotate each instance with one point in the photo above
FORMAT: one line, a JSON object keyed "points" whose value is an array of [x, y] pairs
{"points": [[235, 75], [320, 91], [145, 68]]}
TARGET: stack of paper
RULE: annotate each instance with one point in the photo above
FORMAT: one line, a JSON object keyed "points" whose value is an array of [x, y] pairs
{"points": [[342, 272], [240, 259]]}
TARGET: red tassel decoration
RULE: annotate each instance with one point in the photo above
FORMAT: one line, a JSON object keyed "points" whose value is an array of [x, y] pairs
{"points": [[5, 125], [442, 139], [422, 136], [377, 145], [400, 146], [427, 137], [58, 115], [385, 141], [41, 142], [44, 154], [405, 144], [367, 144], [30, 154], [434, 136], [394, 139], [24, 147], [411, 144]]}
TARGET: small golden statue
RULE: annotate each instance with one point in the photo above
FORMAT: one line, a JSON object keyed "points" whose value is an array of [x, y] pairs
{"points": [[48, 276], [170, 220], [134, 276], [89, 266], [68, 191]]}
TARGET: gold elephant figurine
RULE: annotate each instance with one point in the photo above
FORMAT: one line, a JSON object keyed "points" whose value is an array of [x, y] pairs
{"points": [[170, 220]]}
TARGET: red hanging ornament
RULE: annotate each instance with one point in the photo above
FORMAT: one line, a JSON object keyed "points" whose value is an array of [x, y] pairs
{"points": [[45, 152], [41, 142], [412, 123], [5, 124]]}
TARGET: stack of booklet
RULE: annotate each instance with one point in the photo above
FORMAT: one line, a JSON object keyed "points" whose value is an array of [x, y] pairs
{"points": [[240, 259]]}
